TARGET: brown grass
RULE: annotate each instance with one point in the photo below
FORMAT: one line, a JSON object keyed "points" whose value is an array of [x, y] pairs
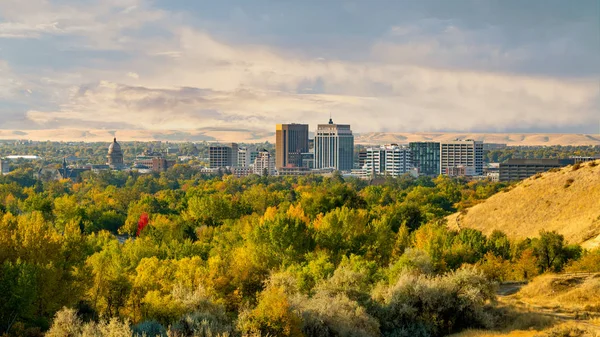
{"points": [[545, 203], [574, 293], [568, 329]]}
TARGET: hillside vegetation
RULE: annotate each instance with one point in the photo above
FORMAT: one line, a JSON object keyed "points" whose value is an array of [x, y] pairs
{"points": [[566, 201]]}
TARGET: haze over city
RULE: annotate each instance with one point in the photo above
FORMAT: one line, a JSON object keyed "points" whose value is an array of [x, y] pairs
{"points": [[241, 66]]}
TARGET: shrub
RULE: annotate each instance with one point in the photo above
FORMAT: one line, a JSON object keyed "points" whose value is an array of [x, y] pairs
{"points": [[412, 259], [67, 324], [149, 329], [419, 305], [576, 167], [568, 330], [593, 164], [273, 316], [589, 262], [200, 325], [326, 314], [495, 267], [569, 182]]}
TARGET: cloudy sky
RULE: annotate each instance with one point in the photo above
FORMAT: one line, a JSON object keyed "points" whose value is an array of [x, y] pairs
{"points": [[380, 65]]}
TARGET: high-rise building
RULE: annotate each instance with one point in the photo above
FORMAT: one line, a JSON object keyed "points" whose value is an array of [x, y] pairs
{"points": [[246, 157], [334, 146], [225, 155], [426, 157], [362, 157], [264, 163], [291, 140], [461, 157], [115, 155], [4, 166], [391, 160]]}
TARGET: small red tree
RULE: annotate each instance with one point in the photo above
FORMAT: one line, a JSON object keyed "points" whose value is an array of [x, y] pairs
{"points": [[142, 223]]}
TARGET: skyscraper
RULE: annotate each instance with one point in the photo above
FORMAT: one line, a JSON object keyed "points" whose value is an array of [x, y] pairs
{"points": [[223, 155], [334, 146], [264, 163], [391, 160], [426, 157], [246, 156], [291, 140], [461, 157]]}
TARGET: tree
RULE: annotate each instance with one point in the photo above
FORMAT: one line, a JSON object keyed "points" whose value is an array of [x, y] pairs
{"points": [[499, 244], [550, 250], [272, 316]]}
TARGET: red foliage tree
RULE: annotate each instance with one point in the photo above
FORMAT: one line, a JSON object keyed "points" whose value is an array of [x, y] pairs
{"points": [[142, 223]]}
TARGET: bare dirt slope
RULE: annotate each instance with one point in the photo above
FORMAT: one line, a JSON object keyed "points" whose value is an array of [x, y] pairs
{"points": [[567, 201]]}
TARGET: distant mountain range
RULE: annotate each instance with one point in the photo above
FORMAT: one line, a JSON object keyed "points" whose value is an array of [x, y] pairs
{"points": [[253, 136]]}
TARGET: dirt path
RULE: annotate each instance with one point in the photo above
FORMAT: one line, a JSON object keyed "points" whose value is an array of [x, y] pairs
{"points": [[506, 293]]}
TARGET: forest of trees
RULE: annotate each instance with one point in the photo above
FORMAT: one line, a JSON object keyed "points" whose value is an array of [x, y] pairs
{"points": [[184, 254]]}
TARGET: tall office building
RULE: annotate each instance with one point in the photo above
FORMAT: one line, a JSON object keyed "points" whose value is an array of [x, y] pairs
{"points": [[264, 163], [426, 157], [461, 158], [291, 140], [246, 156], [334, 146], [391, 160], [223, 155], [4, 166]]}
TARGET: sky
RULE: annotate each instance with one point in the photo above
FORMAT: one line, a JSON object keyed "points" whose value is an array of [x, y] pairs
{"points": [[379, 65]]}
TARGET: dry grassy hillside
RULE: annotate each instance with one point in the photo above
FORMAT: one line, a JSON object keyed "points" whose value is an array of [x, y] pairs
{"points": [[255, 136], [511, 139], [567, 201]]}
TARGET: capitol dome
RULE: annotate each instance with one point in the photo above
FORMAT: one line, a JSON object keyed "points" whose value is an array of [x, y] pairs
{"points": [[114, 147], [115, 155]]}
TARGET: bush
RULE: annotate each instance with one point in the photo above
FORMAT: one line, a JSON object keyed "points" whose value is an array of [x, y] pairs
{"points": [[412, 259], [593, 164], [328, 315], [569, 182], [576, 167], [272, 316], [589, 262], [200, 325], [418, 305], [568, 330], [67, 324], [149, 329]]}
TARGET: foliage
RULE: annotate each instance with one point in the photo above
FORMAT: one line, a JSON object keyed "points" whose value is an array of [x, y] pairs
{"points": [[285, 256], [418, 305]]}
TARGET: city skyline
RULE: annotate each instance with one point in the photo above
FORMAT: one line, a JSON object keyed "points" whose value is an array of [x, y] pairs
{"points": [[408, 66]]}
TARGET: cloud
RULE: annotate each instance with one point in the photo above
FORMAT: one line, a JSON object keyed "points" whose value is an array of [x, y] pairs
{"points": [[426, 75]]}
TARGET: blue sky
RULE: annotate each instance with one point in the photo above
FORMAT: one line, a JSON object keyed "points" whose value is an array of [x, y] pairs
{"points": [[396, 66]]}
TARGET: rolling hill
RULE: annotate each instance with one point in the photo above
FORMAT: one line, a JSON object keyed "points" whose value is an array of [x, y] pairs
{"points": [[567, 201], [259, 136]]}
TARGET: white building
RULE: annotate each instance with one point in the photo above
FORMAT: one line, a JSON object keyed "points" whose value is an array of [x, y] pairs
{"points": [[4, 168], [246, 157], [264, 161], [461, 157], [391, 160], [334, 147]]}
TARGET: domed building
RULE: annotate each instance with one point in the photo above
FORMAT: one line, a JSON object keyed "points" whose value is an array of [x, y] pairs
{"points": [[115, 155]]}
